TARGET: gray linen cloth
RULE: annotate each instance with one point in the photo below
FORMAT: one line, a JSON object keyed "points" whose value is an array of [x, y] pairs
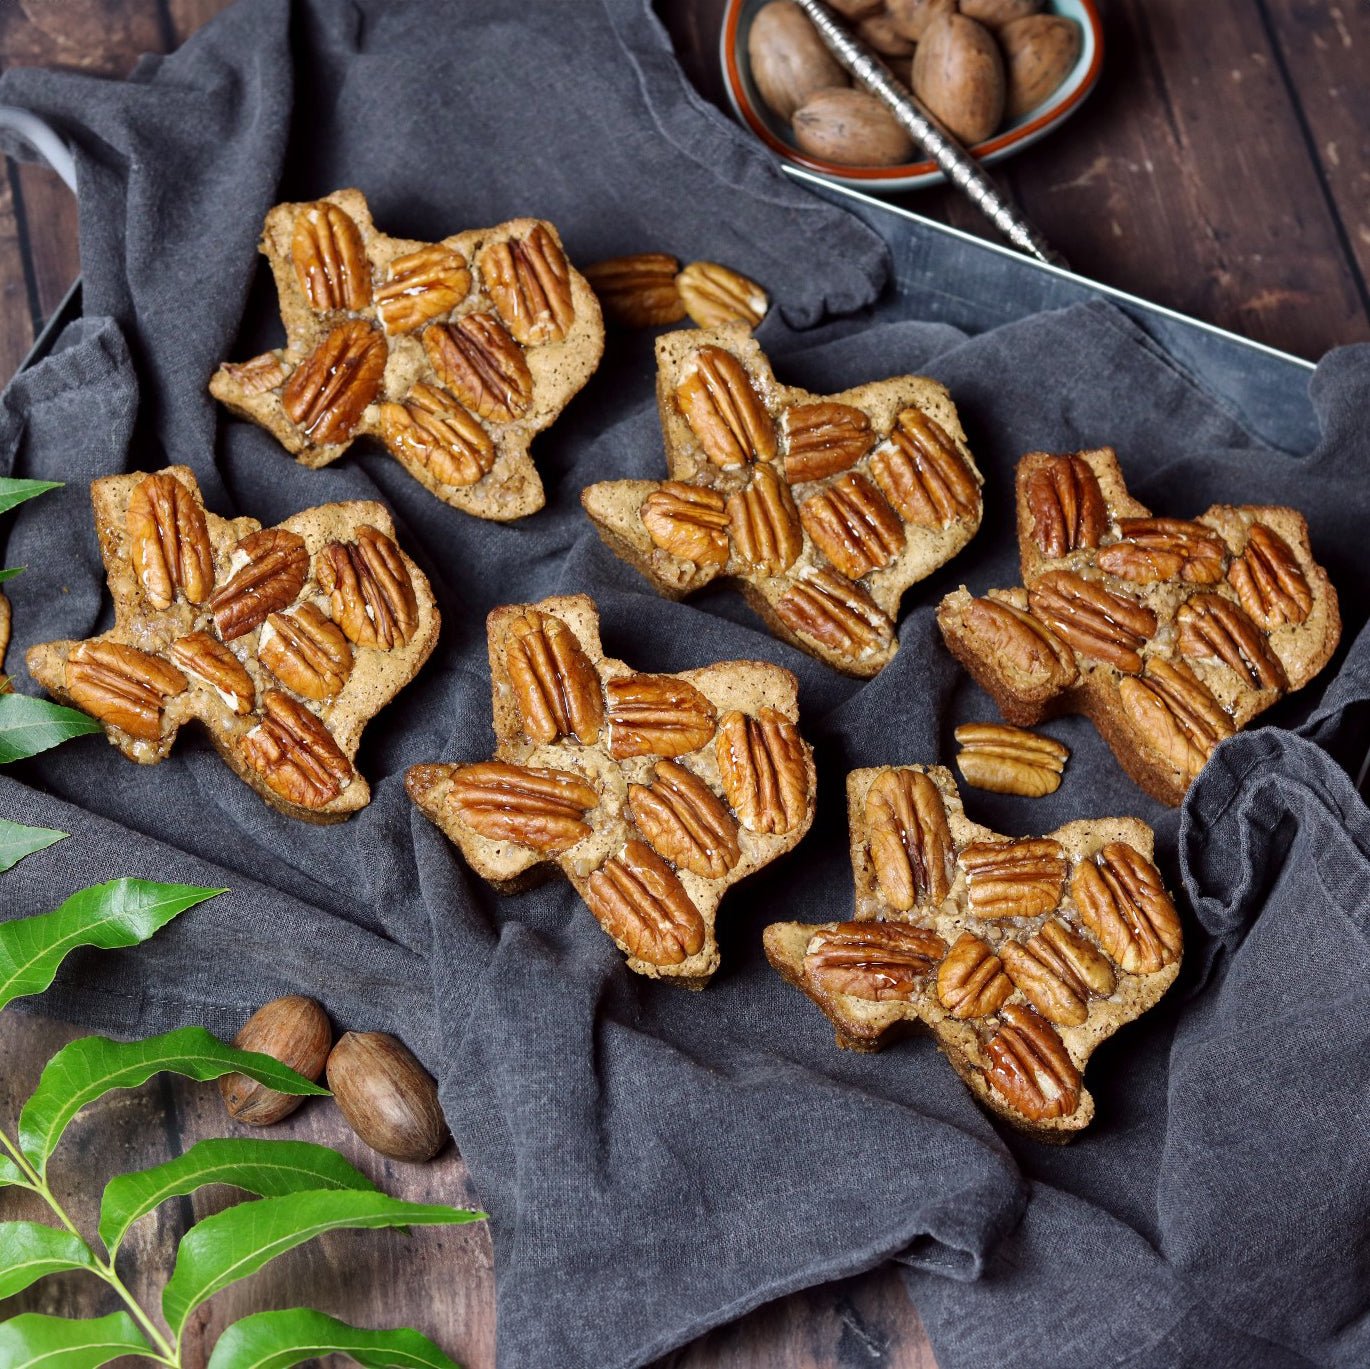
{"points": [[658, 1162]]}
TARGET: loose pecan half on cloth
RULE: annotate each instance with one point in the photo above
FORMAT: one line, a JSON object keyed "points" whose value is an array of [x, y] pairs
{"points": [[823, 508], [454, 354], [256, 633], [1019, 955], [1169, 634], [653, 794]]}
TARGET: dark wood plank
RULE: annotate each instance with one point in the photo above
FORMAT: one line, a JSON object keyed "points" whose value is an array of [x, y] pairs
{"points": [[102, 37], [16, 309], [49, 215], [185, 16], [1323, 53]]}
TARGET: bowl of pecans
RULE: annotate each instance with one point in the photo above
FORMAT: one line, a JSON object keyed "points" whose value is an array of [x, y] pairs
{"points": [[1000, 74]]}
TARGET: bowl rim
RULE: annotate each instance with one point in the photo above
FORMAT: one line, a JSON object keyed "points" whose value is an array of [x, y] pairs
{"points": [[998, 145]]}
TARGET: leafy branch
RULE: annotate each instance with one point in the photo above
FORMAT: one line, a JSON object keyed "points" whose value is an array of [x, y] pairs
{"points": [[301, 1190]]}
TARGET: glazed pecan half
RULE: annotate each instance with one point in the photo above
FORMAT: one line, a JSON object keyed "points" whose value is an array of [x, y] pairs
{"points": [[330, 389], [1030, 1067], [638, 291], [330, 258], [1021, 878], [1273, 589], [420, 287], [122, 686], [1097, 622], [853, 526], [529, 279], [923, 474], [714, 294], [688, 521], [295, 754], [544, 809], [1212, 628], [875, 961], [1009, 760], [1001, 632], [275, 564], [168, 542], [1155, 549], [1122, 900], [685, 821], [764, 523], [554, 683], [370, 590], [1057, 970], [823, 439], [482, 365], [1176, 713], [434, 431], [910, 842], [206, 659], [971, 981], [829, 609], [763, 764], [1066, 505], [306, 651], [657, 715], [724, 411], [643, 906]]}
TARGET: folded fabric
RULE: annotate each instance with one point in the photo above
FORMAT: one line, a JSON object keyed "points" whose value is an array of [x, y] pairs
{"points": [[658, 1162]]}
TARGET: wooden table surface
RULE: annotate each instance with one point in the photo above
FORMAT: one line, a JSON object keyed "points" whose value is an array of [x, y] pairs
{"points": [[1222, 168]]}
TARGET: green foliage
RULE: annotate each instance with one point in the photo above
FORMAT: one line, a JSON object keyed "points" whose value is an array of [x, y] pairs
{"points": [[14, 492], [11, 573], [94, 1066], [302, 1190], [277, 1340], [124, 912], [28, 726], [269, 1169], [17, 841], [33, 1340]]}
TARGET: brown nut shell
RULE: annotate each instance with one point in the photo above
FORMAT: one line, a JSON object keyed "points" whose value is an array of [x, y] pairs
{"points": [[294, 1030], [958, 73], [852, 128], [788, 60], [387, 1097], [1039, 51]]}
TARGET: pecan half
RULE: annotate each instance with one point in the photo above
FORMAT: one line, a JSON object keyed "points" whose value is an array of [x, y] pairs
{"points": [[482, 365], [910, 842], [529, 280], [1165, 549], [835, 613], [370, 590], [875, 961], [420, 287], [1009, 760], [638, 291], [853, 526], [1066, 504], [657, 715], [330, 258], [210, 661], [434, 431], [276, 568], [122, 687], [764, 768], [764, 523], [1122, 900], [922, 473], [260, 374], [307, 651], [1269, 582], [724, 411], [685, 821], [556, 686], [1057, 970], [688, 522], [295, 754], [1212, 628], [713, 294], [1030, 1067], [1021, 878], [1001, 632], [1176, 713], [330, 389], [823, 439], [1098, 623], [544, 809], [168, 542], [643, 906], [971, 981]]}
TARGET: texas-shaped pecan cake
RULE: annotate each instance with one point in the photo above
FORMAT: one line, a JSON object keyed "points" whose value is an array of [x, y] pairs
{"points": [[455, 353], [823, 508], [1168, 633], [652, 793], [284, 642], [1020, 956]]}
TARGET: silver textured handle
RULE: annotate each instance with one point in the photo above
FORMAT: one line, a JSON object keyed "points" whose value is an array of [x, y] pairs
{"points": [[961, 169]]}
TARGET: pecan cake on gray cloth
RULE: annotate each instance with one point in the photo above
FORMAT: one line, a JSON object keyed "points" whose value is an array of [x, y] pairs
{"points": [[656, 1163]]}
